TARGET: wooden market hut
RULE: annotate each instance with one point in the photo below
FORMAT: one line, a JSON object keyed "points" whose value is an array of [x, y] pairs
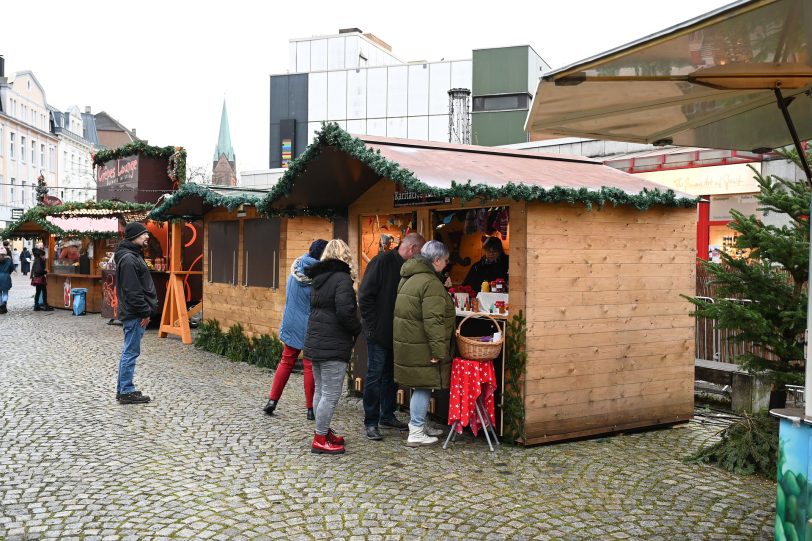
{"points": [[246, 254], [94, 225], [599, 260]]}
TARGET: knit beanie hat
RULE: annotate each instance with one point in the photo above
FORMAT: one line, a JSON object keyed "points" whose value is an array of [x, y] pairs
{"points": [[134, 230], [316, 248]]}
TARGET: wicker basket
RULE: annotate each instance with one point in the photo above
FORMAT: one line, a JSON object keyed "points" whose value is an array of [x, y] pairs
{"points": [[473, 348]]}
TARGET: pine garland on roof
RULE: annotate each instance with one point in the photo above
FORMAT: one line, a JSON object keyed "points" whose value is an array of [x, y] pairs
{"points": [[177, 155], [211, 199], [331, 135], [87, 209]]}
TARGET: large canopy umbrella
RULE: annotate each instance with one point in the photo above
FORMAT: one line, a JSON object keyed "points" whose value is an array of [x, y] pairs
{"points": [[739, 77]]}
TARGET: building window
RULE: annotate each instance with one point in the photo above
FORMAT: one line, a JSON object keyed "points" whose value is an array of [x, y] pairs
{"points": [[42, 155], [33, 152], [11, 146], [2, 141], [22, 149], [261, 266], [224, 238], [23, 193], [12, 192], [504, 102], [52, 158]]}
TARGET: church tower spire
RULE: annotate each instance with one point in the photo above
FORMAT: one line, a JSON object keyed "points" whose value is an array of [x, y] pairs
{"points": [[224, 168]]}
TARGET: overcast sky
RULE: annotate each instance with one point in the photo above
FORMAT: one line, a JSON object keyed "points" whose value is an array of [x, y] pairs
{"points": [[164, 67]]}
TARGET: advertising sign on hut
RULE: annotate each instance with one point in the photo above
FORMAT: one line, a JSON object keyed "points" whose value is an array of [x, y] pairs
{"points": [[137, 178]]}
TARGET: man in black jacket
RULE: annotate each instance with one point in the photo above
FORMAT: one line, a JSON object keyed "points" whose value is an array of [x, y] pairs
{"points": [[377, 294], [137, 301]]}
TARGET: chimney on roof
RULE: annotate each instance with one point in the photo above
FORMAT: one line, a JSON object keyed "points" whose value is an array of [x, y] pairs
{"points": [[133, 130], [87, 109], [349, 31]]}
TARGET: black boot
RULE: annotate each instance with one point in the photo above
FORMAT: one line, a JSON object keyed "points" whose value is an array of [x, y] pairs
{"points": [[269, 407], [3, 309], [310, 415]]}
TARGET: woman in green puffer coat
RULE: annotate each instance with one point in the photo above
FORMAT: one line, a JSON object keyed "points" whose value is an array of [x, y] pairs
{"points": [[423, 325]]}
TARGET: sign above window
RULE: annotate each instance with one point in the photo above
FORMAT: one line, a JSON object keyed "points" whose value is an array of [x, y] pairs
{"points": [[413, 199]]}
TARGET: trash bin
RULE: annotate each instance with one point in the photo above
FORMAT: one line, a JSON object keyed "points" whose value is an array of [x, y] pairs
{"points": [[78, 294]]}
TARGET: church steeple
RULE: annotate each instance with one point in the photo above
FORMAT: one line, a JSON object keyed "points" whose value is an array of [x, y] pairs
{"points": [[224, 140], [224, 168]]}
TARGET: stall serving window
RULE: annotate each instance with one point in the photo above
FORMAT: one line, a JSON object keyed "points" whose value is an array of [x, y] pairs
{"points": [[224, 238], [261, 252], [479, 242], [383, 232]]}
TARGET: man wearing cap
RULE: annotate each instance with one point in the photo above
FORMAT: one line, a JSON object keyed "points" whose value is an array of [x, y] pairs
{"points": [[137, 301]]}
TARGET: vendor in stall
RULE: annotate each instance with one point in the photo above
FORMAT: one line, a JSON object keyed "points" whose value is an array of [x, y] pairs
{"points": [[493, 265]]}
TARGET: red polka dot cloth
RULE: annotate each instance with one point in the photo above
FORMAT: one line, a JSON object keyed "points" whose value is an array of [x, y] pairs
{"points": [[469, 380]]}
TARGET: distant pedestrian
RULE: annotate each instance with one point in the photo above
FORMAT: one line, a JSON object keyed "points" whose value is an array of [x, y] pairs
{"points": [[25, 261], [137, 302], [377, 300], [6, 268], [331, 333], [39, 279], [7, 247], [15, 259], [293, 328], [424, 323]]}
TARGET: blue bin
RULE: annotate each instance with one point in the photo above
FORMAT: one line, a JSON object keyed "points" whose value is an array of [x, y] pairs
{"points": [[79, 294]]}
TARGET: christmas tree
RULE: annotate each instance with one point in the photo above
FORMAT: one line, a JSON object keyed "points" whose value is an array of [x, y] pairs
{"points": [[762, 296], [42, 190]]}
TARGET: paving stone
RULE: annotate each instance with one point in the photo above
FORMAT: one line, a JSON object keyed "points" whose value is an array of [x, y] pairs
{"points": [[202, 461]]}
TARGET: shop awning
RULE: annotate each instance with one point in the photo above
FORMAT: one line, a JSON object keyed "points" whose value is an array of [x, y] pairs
{"points": [[92, 218], [338, 168], [708, 82]]}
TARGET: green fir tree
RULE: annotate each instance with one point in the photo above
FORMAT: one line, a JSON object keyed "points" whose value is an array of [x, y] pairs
{"points": [[762, 296], [42, 190]]}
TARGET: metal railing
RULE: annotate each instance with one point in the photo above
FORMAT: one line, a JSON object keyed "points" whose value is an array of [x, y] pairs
{"points": [[715, 344]]}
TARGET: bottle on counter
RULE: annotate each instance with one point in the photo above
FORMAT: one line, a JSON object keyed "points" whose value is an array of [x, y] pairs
{"points": [[485, 287]]}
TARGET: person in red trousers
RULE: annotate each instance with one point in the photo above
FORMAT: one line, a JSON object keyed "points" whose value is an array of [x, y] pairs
{"points": [[293, 329]]}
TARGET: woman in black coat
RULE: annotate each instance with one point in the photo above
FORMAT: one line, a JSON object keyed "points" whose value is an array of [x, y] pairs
{"points": [[39, 279], [25, 261], [332, 329]]}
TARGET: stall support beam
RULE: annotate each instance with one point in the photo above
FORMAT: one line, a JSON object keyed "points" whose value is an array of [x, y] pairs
{"points": [[175, 317]]}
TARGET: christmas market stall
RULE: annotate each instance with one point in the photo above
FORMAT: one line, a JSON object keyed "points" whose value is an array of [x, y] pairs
{"points": [[580, 265], [79, 240], [247, 255]]}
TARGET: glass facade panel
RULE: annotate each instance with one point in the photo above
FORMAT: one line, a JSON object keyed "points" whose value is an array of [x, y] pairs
{"points": [[376, 92], [397, 86], [396, 127], [356, 94], [351, 50], [318, 55], [461, 74], [317, 96], [439, 85], [357, 126], [335, 53], [336, 95], [419, 90], [438, 128], [312, 128], [418, 127], [376, 126], [292, 56], [303, 56]]}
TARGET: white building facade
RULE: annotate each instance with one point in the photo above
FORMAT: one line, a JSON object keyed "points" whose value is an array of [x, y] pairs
{"points": [[27, 146], [76, 181]]}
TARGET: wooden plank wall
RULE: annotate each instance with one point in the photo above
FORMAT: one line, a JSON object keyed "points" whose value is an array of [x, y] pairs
{"points": [[257, 309], [610, 341]]}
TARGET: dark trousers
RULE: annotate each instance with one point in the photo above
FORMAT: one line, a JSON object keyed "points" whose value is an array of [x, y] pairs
{"points": [[379, 387], [41, 289]]}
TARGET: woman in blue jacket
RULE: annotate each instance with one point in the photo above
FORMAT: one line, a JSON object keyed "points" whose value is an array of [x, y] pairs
{"points": [[293, 328]]}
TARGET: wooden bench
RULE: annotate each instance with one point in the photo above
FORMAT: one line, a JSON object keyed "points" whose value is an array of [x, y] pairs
{"points": [[750, 393]]}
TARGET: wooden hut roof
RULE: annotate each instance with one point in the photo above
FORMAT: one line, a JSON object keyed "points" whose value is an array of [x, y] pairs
{"points": [[337, 168], [89, 219], [191, 201]]}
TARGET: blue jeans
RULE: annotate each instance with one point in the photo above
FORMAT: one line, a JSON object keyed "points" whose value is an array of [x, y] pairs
{"points": [[379, 387], [329, 377], [133, 331], [419, 406]]}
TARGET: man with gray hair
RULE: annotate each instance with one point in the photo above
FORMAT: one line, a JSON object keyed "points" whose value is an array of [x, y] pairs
{"points": [[376, 299]]}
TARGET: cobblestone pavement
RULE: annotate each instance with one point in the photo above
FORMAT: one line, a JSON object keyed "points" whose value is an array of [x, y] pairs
{"points": [[203, 462]]}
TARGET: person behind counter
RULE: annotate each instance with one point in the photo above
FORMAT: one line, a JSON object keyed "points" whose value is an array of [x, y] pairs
{"points": [[423, 325], [493, 265], [39, 279]]}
